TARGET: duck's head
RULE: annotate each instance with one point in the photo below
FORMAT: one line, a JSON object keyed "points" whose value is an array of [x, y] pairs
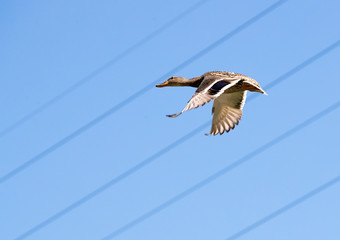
{"points": [[174, 82]]}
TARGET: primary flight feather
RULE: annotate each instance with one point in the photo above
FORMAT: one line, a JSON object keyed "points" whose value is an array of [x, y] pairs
{"points": [[227, 89]]}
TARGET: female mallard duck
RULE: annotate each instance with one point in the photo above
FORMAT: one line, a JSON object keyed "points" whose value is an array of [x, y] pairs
{"points": [[228, 89]]}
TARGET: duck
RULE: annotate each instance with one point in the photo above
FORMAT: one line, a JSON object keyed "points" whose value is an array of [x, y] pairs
{"points": [[227, 89]]}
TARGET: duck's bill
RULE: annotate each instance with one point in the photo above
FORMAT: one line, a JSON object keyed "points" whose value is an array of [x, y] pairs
{"points": [[162, 84]]}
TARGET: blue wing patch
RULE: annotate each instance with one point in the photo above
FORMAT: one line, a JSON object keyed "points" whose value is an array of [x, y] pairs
{"points": [[217, 87]]}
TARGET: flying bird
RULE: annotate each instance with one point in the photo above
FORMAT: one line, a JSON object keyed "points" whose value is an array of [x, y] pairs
{"points": [[227, 89]]}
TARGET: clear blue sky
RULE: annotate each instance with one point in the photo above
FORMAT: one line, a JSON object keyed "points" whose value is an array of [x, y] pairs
{"points": [[46, 47]]}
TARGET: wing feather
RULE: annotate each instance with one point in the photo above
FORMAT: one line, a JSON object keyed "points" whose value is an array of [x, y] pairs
{"points": [[227, 111], [210, 89]]}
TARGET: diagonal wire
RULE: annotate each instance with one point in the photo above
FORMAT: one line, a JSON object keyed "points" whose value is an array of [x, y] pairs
{"points": [[222, 172], [301, 66], [285, 208], [137, 94], [101, 69], [111, 183], [163, 151]]}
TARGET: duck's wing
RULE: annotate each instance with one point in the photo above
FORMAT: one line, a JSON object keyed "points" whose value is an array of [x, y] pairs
{"points": [[210, 89], [227, 110]]}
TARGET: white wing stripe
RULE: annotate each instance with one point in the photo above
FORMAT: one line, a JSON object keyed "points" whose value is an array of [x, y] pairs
{"points": [[221, 79], [223, 89]]}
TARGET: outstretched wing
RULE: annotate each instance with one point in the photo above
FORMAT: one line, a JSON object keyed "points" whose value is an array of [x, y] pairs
{"points": [[227, 110], [210, 89]]}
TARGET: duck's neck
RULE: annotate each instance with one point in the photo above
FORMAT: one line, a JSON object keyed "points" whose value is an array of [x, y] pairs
{"points": [[193, 82]]}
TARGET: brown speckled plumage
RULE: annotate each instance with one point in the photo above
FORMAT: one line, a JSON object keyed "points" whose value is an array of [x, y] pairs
{"points": [[228, 89]]}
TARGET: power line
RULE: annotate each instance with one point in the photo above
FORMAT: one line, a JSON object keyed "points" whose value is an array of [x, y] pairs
{"points": [[115, 108], [300, 66], [109, 184], [105, 66], [222, 172], [285, 208], [163, 151]]}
